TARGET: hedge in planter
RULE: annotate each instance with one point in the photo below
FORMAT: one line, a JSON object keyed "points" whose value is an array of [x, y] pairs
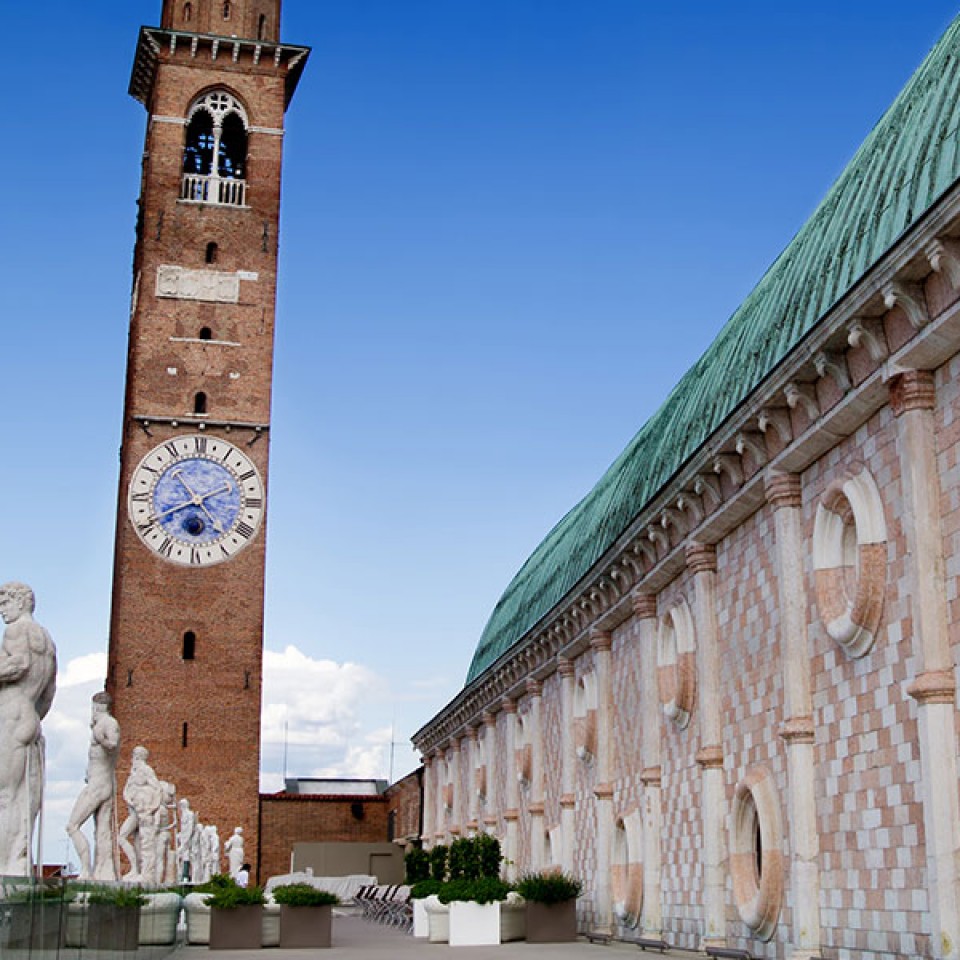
{"points": [[551, 906], [305, 915], [236, 917], [113, 918]]}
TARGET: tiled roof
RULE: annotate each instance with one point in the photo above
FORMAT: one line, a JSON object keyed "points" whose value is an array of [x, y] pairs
{"points": [[907, 162]]}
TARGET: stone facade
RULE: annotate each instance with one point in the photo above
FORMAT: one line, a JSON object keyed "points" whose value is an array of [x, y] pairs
{"points": [[743, 718]]}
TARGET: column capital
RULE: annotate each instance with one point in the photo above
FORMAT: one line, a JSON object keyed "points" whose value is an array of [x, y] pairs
{"points": [[568, 801], [783, 489], [472, 734], [644, 605], [600, 639], [454, 745], [511, 815], [912, 390], [565, 667], [534, 687], [489, 718], [651, 776], [797, 730], [508, 705], [603, 791], [710, 756], [701, 557], [935, 686], [536, 809]]}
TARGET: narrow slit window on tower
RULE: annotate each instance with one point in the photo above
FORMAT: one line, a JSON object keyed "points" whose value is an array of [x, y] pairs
{"points": [[226, 9], [200, 403], [212, 250], [206, 333], [262, 27], [187, 12], [183, 736], [189, 645]]}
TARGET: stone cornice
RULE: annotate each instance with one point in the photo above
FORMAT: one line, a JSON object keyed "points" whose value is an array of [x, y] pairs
{"points": [[723, 483]]}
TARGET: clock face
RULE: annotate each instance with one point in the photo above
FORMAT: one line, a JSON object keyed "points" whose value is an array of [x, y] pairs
{"points": [[196, 500]]}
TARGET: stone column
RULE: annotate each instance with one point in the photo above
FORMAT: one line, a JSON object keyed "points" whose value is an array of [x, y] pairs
{"points": [[645, 611], [443, 768], [456, 802], [702, 563], [536, 808], [512, 814], [934, 689], [429, 799], [600, 642], [784, 496], [489, 809], [472, 766], [568, 765]]}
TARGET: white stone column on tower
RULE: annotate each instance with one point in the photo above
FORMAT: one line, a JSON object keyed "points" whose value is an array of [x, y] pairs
{"points": [[489, 807], [471, 766], [512, 813], [645, 612], [702, 563], [536, 807], [568, 765], [784, 496], [600, 643], [913, 398]]}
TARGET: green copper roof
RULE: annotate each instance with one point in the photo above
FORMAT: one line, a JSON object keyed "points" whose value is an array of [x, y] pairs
{"points": [[906, 163]]}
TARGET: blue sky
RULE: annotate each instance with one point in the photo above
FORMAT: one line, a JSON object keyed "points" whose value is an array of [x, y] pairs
{"points": [[509, 226]]}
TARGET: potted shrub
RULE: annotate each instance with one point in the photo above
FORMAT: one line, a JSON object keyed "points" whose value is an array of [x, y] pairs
{"points": [[305, 915], [36, 916], [483, 908], [551, 906], [236, 917], [437, 913], [113, 917]]}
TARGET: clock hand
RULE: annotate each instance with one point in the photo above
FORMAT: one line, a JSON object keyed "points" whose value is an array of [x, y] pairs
{"points": [[179, 475], [166, 513], [217, 525], [212, 493]]}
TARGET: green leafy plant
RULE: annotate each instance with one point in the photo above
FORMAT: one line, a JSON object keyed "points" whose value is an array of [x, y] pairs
{"points": [[303, 895], [417, 863], [119, 896], [219, 881], [482, 890], [548, 887], [47, 892], [438, 862], [229, 898], [489, 855], [461, 860], [425, 888]]}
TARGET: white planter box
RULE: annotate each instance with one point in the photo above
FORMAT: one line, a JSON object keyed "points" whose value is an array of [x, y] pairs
{"points": [[474, 924], [421, 922], [158, 919], [438, 918]]}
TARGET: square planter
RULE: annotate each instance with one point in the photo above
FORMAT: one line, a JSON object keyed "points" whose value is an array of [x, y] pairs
{"points": [[421, 922], [305, 926], [36, 925], [474, 924], [110, 927], [552, 922], [238, 929]]}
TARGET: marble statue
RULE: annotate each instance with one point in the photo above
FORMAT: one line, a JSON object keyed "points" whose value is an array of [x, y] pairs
{"points": [[166, 852], [211, 850], [143, 795], [97, 797], [233, 848], [28, 678], [185, 840]]}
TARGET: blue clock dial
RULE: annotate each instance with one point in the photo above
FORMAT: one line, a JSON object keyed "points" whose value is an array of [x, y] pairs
{"points": [[196, 500]]}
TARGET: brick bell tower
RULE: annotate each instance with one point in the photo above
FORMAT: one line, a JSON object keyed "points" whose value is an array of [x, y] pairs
{"points": [[186, 631]]}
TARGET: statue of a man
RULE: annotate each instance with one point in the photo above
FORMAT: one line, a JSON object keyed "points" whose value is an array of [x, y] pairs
{"points": [[28, 679], [143, 794], [185, 840], [97, 796], [166, 838], [234, 851]]}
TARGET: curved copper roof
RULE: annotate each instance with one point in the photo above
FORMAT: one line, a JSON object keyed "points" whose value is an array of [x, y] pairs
{"points": [[910, 158]]}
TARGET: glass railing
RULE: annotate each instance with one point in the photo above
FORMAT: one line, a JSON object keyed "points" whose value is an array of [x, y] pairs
{"points": [[52, 919]]}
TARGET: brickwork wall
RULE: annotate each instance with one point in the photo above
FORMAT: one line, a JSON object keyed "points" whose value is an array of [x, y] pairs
{"points": [[287, 819], [403, 802]]}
